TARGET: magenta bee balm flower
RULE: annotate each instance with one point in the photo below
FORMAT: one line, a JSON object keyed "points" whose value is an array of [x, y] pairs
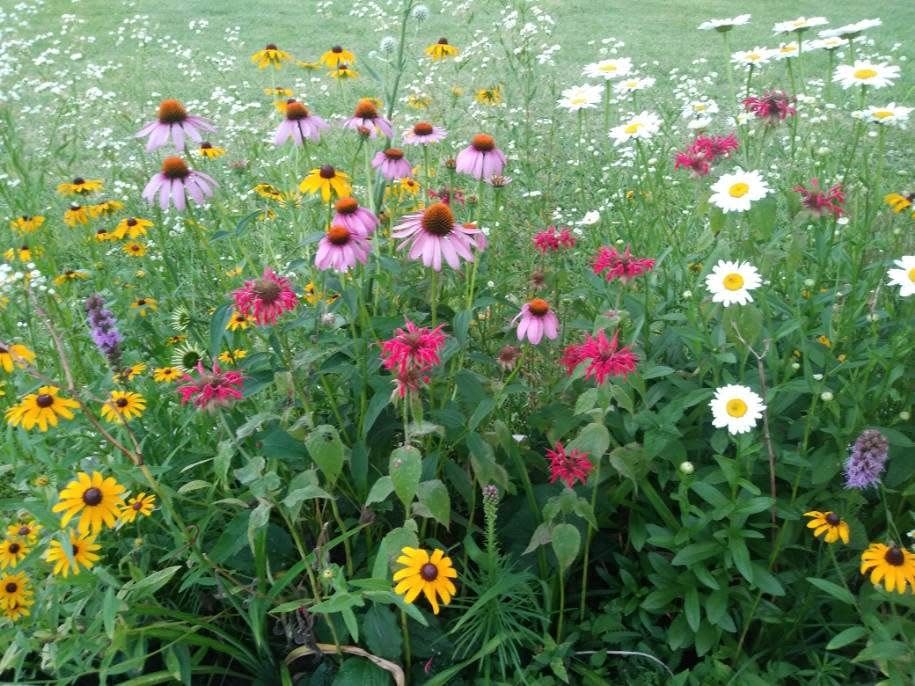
{"points": [[623, 266], [481, 159], [299, 125], [175, 182], [537, 320], [173, 121], [392, 164], [266, 298], [341, 248], [211, 389]]}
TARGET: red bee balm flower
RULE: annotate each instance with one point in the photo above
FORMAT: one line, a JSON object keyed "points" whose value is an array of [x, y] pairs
{"points": [[551, 240], [772, 106], [212, 389], [620, 265], [704, 151], [413, 348], [818, 202], [607, 358], [266, 298], [573, 466]]}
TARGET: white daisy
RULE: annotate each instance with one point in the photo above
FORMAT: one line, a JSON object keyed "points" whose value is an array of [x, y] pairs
{"points": [[888, 115], [785, 50], [608, 69], [580, 97], [737, 191], [904, 277], [824, 44], [874, 74], [799, 24], [736, 408], [699, 108], [731, 282], [640, 127], [699, 123], [850, 30], [722, 25], [634, 84], [753, 57]]}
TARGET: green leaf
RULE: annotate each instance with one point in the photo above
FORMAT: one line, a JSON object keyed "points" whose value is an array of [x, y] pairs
{"points": [[838, 592], [148, 585], [884, 650], [716, 605], [741, 556], [300, 495], [434, 498], [361, 672], [406, 467], [390, 547], [380, 491], [629, 461], [326, 449], [696, 552], [543, 534], [593, 439], [251, 471], [218, 328], [381, 633], [691, 608], [566, 542], [586, 401], [260, 515], [379, 401], [844, 638], [110, 607]]}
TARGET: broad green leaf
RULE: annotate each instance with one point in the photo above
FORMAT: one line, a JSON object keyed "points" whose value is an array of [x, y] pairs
{"points": [[691, 608], [593, 439], [148, 585], [696, 552], [300, 495], [543, 534], [260, 515], [381, 632], [390, 547], [405, 467], [566, 542], [433, 496], [380, 491], [357, 671], [326, 449], [838, 592]]}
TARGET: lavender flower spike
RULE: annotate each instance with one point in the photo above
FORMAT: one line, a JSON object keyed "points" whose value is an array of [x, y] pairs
{"points": [[104, 329], [866, 460]]}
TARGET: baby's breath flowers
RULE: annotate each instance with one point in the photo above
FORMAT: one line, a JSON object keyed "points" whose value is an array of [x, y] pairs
{"points": [[738, 190], [41, 409], [865, 73], [96, 499], [904, 275], [892, 565], [829, 525], [736, 408], [123, 406], [731, 282], [83, 552], [428, 574]]}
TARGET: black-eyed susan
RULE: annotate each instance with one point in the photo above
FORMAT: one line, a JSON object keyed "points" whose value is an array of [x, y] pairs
{"points": [[175, 340], [344, 72], [134, 249], [891, 565], [143, 306], [232, 357], [24, 253], [326, 180], [83, 553], [441, 50], [337, 55], [69, 275], [418, 101], [122, 406], [76, 214], [132, 228], [210, 151], [80, 186], [428, 574], [489, 96], [25, 531], [270, 56], [240, 321], [167, 374], [40, 409], [102, 234], [15, 592], [27, 223], [141, 505], [14, 355], [12, 552], [16, 611], [278, 92], [131, 372], [96, 499], [899, 201], [828, 523], [105, 208], [268, 192]]}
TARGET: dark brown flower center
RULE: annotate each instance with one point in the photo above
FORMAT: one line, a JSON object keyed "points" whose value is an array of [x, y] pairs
{"points": [[271, 46], [121, 402], [365, 109], [174, 168], [11, 587], [171, 112], [483, 142], [346, 206], [429, 572], [141, 302], [443, 41], [79, 181], [24, 530], [26, 218], [102, 232], [138, 505], [4, 349], [24, 247], [422, 128], [438, 219], [267, 291], [44, 400], [74, 548], [14, 548], [92, 496], [337, 49], [538, 307], [131, 221], [338, 235], [327, 172], [894, 556], [75, 208], [832, 519], [394, 154], [296, 110], [206, 146]]}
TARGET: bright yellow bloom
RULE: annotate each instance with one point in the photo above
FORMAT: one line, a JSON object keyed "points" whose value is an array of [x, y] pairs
{"points": [[167, 374], [828, 523], [96, 499], [23, 253], [325, 180], [134, 249], [418, 102], [83, 551], [441, 50], [344, 72], [14, 354], [132, 228], [41, 409], [70, 275], [270, 56], [102, 234], [239, 321], [489, 96], [76, 214], [12, 552], [105, 208], [333, 58], [27, 224], [824, 340], [210, 151], [143, 504], [265, 190], [894, 566], [231, 357], [144, 305], [279, 92], [122, 406], [898, 202], [80, 186], [15, 595], [430, 575], [27, 531]]}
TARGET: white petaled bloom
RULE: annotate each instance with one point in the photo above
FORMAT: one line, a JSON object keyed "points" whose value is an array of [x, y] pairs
{"points": [[699, 108], [580, 97], [754, 57], [608, 69], [591, 217], [737, 191], [850, 30], [637, 83], [863, 73], [904, 277], [784, 51], [641, 127], [723, 25], [799, 24], [736, 408], [699, 123], [731, 282], [833, 42], [888, 115]]}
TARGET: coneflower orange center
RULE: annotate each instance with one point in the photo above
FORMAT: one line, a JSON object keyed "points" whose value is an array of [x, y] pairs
{"points": [[266, 290], [894, 556], [44, 400], [338, 235], [483, 142], [296, 110], [365, 109], [171, 112], [346, 205], [422, 128], [394, 154], [327, 172], [832, 519], [538, 307], [92, 496], [173, 167], [438, 219], [429, 572]]}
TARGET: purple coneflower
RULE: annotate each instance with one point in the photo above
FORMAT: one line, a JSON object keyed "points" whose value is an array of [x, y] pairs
{"points": [[537, 321], [423, 133], [175, 181], [299, 125], [356, 219], [341, 248], [866, 460], [481, 159], [105, 332], [392, 164], [433, 234], [366, 118], [173, 121]]}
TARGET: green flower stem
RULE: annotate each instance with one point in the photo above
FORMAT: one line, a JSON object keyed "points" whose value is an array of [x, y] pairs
{"points": [[407, 656], [344, 531], [590, 535], [562, 607]]}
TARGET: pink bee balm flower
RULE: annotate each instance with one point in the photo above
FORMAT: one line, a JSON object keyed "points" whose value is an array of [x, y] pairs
{"points": [[424, 133], [537, 320], [606, 357], [341, 248], [818, 202], [366, 118], [620, 265], [704, 151], [357, 219], [433, 234], [551, 240], [266, 298], [392, 164], [211, 389], [173, 121], [573, 466], [175, 182], [772, 106], [299, 125], [481, 159], [412, 349]]}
